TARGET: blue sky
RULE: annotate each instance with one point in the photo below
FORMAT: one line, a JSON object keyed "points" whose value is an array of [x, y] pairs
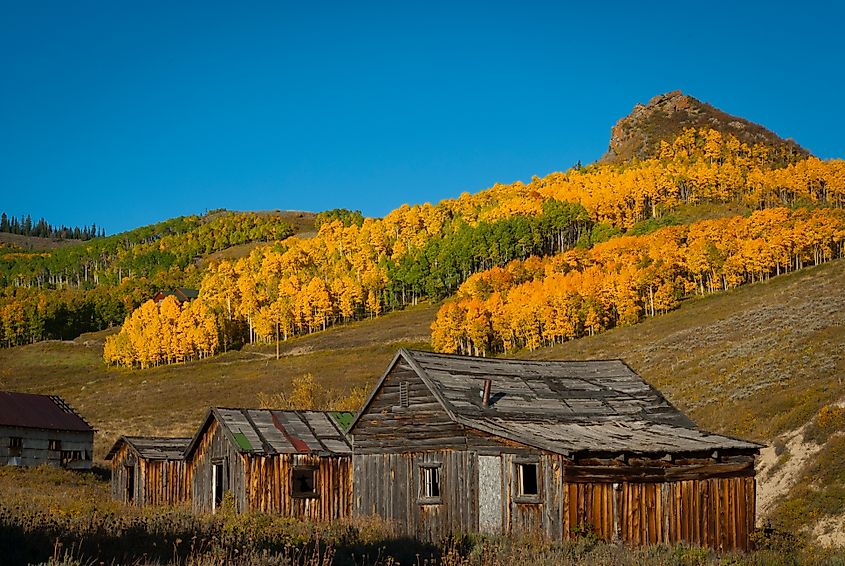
{"points": [[126, 113]]}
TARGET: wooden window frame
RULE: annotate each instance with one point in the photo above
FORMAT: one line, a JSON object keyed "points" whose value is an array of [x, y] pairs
{"points": [[520, 466], [431, 480], [68, 456], [297, 494], [15, 446]]}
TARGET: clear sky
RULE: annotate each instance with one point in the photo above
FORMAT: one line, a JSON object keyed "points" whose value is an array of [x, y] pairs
{"points": [[127, 113]]}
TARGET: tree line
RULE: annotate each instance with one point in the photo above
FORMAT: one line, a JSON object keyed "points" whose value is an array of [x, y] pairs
{"points": [[359, 267], [539, 302], [87, 287], [24, 226]]}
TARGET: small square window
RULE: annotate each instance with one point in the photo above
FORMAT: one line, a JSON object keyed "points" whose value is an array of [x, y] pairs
{"points": [[430, 483], [55, 445], [304, 482]]}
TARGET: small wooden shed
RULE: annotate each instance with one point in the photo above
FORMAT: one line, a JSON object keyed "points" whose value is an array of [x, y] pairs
{"points": [[450, 444], [295, 463], [150, 471], [43, 429]]}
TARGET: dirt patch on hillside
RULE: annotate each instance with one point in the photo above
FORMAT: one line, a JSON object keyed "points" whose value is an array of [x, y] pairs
{"points": [[779, 468]]}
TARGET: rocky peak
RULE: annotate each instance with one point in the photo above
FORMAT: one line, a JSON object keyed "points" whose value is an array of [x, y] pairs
{"points": [[638, 135]]}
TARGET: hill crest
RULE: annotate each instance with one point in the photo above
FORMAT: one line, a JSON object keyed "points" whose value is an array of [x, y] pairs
{"points": [[638, 135]]}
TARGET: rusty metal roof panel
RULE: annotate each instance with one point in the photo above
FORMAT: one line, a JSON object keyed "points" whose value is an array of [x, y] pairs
{"points": [[269, 432], [49, 412]]}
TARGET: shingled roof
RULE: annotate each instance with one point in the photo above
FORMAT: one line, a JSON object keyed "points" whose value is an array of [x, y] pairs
{"points": [[152, 447], [567, 407], [267, 432], [49, 412]]}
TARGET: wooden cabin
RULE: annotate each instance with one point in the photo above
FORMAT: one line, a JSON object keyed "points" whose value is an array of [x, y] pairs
{"points": [[150, 471], [182, 295], [295, 463], [43, 429], [449, 444]]}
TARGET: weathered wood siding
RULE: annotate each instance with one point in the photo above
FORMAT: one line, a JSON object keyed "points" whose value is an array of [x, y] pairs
{"points": [[36, 443], [423, 424], [157, 482], [265, 483], [214, 447], [717, 512], [388, 486], [270, 485]]}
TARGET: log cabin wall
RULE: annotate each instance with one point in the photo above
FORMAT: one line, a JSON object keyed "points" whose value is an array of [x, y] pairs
{"points": [[215, 448], [270, 486]]}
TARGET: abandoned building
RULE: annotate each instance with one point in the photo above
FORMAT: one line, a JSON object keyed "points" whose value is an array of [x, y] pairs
{"points": [[182, 295], [294, 463], [451, 443], [43, 429], [150, 471]]}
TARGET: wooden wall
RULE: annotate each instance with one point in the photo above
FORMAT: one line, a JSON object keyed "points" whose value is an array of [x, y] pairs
{"points": [[480, 493], [716, 512], [270, 484], [387, 485], [157, 482], [264, 483], [36, 447], [215, 447], [422, 425]]}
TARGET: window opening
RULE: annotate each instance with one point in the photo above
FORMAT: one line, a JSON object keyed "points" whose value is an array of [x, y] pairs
{"points": [[527, 479], [69, 456], [430, 483], [54, 445], [15, 446], [304, 482]]}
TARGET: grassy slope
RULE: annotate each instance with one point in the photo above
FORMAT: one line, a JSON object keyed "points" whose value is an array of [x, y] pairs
{"points": [[170, 400], [755, 362]]}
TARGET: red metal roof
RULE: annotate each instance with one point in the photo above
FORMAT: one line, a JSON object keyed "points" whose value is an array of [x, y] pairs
{"points": [[39, 411]]}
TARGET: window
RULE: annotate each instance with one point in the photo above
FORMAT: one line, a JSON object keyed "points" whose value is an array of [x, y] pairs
{"points": [[403, 394], [430, 483], [304, 482], [69, 456], [15, 446], [528, 481], [54, 445]]}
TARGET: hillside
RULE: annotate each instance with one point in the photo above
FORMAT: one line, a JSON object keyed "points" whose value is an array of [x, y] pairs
{"points": [[34, 243], [170, 400], [637, 135]]}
